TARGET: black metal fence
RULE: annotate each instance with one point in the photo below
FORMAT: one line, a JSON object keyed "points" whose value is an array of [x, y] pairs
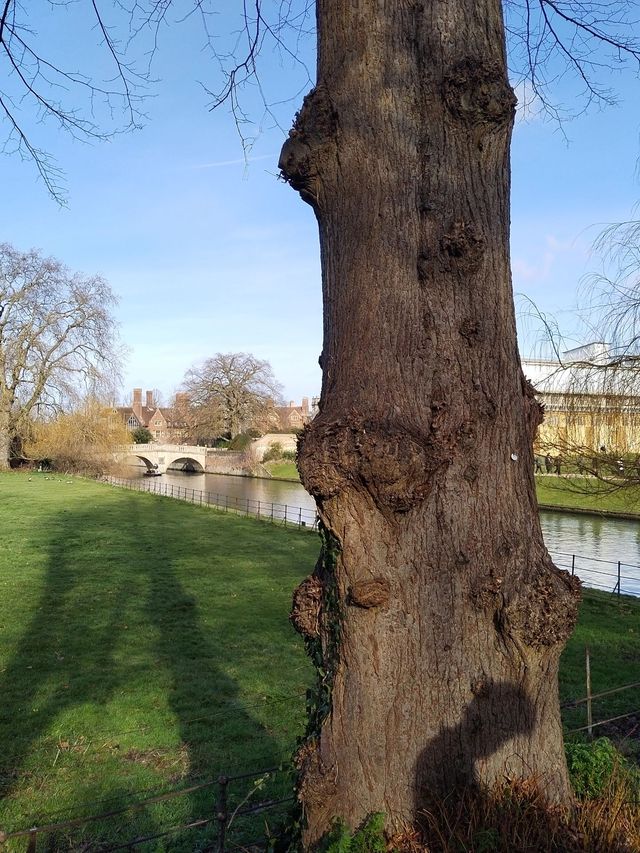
{"points": [[230, 819], [230, 824], [284, 514], [608, 575]]}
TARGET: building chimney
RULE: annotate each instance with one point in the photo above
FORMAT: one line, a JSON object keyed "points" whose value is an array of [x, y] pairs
{"points": [[137, 403], [292, 404], [150, 403], [305, 405]]}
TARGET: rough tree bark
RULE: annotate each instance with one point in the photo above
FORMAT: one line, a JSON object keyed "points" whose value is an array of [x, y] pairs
{"points": [[435, 615], [5, 442]]}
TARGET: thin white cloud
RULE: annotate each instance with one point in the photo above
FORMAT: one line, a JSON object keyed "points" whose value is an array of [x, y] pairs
{"points": [[241, 161]]}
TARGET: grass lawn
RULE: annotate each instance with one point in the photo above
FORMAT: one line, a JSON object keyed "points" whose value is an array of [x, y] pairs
{"points": [[611, 630], [586, 494], [144, 645], [283, 470]]}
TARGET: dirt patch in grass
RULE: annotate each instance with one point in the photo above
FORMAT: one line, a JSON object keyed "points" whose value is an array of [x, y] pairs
{"points": [[173, 762]]}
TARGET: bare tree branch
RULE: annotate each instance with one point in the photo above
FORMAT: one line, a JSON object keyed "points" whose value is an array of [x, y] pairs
{"points": [[58, 338]]}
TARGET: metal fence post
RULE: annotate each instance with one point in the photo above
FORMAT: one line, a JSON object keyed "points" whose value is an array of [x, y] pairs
{"points": [[587, 662], [573, 565], [221, 812], [33, 842], [618, 580]]}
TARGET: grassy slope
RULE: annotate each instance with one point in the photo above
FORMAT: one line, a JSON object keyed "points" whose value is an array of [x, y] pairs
{"points": [[611, 630], [586, 494], [283, 470], [125, 616]]}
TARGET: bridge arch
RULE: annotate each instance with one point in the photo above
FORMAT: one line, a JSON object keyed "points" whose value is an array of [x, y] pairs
{"points": [[186, 463], [151, 466]]}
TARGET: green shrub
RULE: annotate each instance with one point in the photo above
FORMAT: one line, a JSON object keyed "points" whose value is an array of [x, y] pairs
{"points": [[368, 839], [240, 441], [289, 455], [274, 451], [141, 435], [591, 766]]}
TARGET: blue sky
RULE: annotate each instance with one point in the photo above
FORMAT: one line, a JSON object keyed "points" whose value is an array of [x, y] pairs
{"points": [[209, 253]]}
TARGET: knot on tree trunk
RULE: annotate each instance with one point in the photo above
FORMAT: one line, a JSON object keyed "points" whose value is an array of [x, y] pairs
{"points": [[305, 612], [392, 464], [477, 93], [315, 782], [303, 153], [543, 612], [370, 593], [462, 247]]}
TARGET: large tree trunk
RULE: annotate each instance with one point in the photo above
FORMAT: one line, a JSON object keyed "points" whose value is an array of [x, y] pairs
{"points": [[435, 615], [5, 441]]}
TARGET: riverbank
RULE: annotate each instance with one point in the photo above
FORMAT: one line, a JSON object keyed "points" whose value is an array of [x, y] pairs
{"points": [[283, 470], [582, 495], [559, 494]]}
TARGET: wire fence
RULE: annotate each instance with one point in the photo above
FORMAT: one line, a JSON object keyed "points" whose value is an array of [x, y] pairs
{"points": [[587, 700], [607, 575], [230, 817], [285, 514], [229, 823]]}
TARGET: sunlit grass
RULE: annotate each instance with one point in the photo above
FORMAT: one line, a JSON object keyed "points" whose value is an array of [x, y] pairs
{"points": [[587, 494], [143, 643], [283, 470]]}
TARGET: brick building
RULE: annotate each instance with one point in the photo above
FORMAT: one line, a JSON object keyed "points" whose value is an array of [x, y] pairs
{"points": [[161, 421], [295, 417]]}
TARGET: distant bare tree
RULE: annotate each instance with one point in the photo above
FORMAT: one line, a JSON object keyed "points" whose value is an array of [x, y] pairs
{"points": [[231, 392], [591, 398], [58, 338]]}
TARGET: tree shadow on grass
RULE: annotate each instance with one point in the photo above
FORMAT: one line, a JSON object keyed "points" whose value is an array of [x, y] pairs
{"points": [[115, 627]]}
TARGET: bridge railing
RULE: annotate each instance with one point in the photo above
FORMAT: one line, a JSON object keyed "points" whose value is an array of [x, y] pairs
{"points": [[284, 514], [163, 448]]}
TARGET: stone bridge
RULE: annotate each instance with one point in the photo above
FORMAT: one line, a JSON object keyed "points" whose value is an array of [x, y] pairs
{"points": [[181, 457]]}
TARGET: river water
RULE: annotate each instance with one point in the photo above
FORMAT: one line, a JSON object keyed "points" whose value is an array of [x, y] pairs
{"points": [[590, 545]]}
